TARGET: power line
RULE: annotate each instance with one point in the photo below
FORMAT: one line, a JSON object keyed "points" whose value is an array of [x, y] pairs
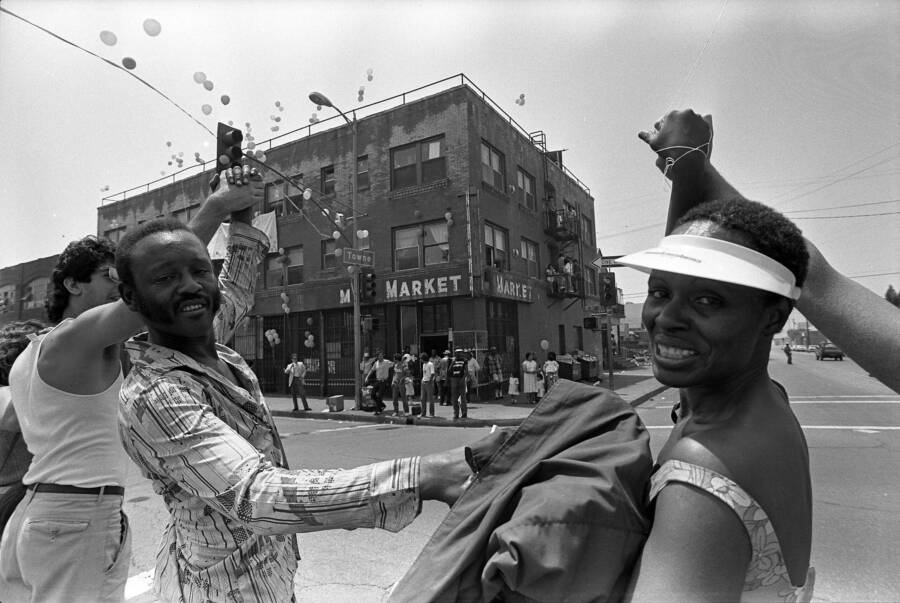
{"points": [[889, 213], [797, 211]]}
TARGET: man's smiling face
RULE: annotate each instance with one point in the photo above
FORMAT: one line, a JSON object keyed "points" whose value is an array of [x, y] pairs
{"points": [[175, 289]]}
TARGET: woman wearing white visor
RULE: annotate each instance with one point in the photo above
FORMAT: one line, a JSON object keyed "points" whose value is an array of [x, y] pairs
{"points": [[732, 491]]}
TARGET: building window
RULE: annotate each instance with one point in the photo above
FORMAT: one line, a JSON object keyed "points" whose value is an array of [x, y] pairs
{"points": [[284, 197], [295, 264], [115, 234], [7, 298], [418, 163], [591, 281], [421, 245], [493, 166], [525, 183], [562, 339], [587, 230], [328, 258], [36, 292], [496, 254], [328, 180], [531, 258], [274, 272], [362, 173], [579, 337], [436, 317]]}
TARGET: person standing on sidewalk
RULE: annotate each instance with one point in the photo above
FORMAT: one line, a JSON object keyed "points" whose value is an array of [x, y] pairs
{"points": [[529, 377], [474, 370], [443, 385], [495, 371], [398, 385], [787, 352], [427, 386], [550, 371], [458, 374], [381, 370], [296, 372]]}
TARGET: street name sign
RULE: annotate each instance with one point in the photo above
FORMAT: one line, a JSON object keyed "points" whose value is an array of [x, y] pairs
{"points": [[358, 257]]}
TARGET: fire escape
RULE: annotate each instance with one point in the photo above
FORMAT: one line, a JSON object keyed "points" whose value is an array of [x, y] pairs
{"points": [[564, 279]]}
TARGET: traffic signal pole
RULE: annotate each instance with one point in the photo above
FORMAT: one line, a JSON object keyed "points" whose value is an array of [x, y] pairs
{"points": [[354, 280]]}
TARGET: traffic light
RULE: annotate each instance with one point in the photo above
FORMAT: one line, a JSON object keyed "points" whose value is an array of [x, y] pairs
{"points": [[228, 147], [591, 322], [368, 285], [608, 295]]}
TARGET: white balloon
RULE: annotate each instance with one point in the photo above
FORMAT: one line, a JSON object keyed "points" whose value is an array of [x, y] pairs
{"points": [[152, 27], [207, 109], [108, 38]]}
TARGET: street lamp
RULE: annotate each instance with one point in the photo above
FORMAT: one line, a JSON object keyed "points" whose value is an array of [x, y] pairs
{"points": [[320, 99]]}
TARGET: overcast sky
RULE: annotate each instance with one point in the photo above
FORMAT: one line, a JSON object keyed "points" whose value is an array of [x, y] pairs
{"points": [[804, 97]]}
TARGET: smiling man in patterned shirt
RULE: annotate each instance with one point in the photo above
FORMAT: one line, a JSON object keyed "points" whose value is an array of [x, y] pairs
{"points": [[194, 419]]}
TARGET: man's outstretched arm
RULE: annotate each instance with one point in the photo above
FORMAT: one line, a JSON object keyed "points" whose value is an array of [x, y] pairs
{"points": [[864, 325]]}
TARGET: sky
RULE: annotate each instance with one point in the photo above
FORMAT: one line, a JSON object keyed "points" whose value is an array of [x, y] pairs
{"points": [[804, 98]]}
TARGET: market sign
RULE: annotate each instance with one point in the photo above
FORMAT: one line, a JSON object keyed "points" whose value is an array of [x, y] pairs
{"points": [[510, 287], [417, 288]]}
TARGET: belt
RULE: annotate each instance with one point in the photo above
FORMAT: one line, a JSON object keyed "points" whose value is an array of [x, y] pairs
{"points": [[62, 489]]}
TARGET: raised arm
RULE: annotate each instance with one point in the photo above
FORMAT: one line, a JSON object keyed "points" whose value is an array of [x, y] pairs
{"points": [[81, 346], [865, 326]]}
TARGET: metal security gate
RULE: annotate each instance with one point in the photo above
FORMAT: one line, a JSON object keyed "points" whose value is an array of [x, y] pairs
{"points": [[340, 361]]}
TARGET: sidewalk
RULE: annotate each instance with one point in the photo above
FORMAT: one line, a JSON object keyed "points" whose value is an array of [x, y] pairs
{"points": [[634, 386]]}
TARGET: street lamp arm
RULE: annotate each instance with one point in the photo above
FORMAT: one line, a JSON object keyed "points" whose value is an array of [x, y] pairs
{"points": [[320, 99]]}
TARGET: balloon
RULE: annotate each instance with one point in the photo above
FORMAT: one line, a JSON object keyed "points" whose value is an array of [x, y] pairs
{"points": [[199, 77], [261, 156], [309, 321], [274, 128], [207, 109], [251, 145], [208, 84], [108, 38], [277, 103], [307, 194], [336, 234], [338, 252], [181, 153], [152, 27], [545, 344], [369, 77], [277, 119], [128, 63], [225, 100]]}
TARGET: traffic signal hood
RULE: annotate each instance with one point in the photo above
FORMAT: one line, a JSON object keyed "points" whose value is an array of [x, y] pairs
{"points": [[608, 294], [228, 147], [368, 286]]}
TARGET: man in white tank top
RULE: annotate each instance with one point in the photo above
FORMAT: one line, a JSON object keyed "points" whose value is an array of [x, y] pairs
{"points": [[68, 539]]}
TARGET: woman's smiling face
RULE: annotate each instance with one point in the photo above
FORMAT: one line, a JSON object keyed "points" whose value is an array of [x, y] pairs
{"points": [[703, 331]]}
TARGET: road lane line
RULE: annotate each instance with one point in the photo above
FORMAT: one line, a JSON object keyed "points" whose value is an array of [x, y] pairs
{"points": [[851, 427], [347, 428], [832, 401]]}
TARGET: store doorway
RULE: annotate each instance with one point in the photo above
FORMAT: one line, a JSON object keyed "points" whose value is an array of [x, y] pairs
{"points": [[437, 343]]}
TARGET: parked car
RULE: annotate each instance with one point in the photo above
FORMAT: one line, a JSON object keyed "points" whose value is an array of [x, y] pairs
{"points": [[828, 350], [799, 347]]}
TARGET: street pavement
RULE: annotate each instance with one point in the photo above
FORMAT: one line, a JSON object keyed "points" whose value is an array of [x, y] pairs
{"points": [[634, 386]]}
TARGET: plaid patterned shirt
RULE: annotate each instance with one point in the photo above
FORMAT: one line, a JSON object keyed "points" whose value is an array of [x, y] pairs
{"points": [[214, 454]]}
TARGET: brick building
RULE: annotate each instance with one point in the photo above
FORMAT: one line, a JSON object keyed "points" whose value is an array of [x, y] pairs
{"points": [[23, 289], [464, 209]]}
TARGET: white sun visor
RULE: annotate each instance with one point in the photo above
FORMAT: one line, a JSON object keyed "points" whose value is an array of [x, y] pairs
{"points": [[717, 260]]}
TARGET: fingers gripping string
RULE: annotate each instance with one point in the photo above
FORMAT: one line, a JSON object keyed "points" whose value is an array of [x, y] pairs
{"points": [[670, 161]]}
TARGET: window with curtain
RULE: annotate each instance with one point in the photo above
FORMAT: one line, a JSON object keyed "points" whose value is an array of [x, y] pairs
{"points": [[529, 251], [493, 167], [526, 188], [328, 259], [496, 248], [421, 245]]}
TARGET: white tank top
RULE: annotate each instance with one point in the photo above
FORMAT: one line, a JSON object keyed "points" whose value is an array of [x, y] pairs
{"points": [[74, 438]]}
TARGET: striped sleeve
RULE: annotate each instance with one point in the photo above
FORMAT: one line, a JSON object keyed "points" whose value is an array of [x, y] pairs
{"points": [[246, 248], [179, 438]]}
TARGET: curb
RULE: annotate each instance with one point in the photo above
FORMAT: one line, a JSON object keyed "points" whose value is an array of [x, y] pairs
{"points": [[644, 397], [436, 422], [388, 419]]}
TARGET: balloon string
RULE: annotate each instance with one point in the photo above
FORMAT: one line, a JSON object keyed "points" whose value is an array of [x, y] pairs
{"points": [[111, 64]]}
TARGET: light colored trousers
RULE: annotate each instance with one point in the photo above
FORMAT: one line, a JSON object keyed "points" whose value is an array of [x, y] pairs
{"points": [[70, 548]]}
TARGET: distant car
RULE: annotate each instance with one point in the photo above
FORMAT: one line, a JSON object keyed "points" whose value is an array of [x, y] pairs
{"points": [[828, 350], [797, 347]]}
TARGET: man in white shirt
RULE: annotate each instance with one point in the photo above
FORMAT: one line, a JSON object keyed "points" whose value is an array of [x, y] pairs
{"points": [[427, 386], [296, 372]]}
